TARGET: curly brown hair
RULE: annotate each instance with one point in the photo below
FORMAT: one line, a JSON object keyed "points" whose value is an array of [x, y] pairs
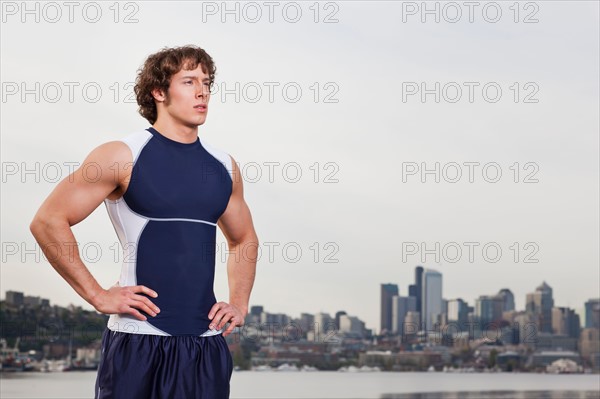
{"points": [[159, 68]]}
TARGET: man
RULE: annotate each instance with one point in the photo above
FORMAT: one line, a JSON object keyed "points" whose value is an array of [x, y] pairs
{"points": [[165, 190]]}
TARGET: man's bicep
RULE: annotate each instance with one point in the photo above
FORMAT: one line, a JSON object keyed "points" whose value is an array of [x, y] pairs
{"points": [[80, 193], [236, 221]]}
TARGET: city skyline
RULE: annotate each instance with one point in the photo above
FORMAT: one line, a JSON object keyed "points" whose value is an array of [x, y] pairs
{"points": [[487, 309], [395, 292], [401, 315]]}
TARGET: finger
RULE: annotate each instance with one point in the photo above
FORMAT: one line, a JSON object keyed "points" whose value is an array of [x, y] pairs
{"points": [[130, 293], [215, 308], [229, 329], [136, 314], [216, 321], [226, 317], [145, 290], [147, 302], [142, 306]]}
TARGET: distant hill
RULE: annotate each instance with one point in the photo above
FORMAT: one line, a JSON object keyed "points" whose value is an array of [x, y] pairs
{"points": [[40, 324]]}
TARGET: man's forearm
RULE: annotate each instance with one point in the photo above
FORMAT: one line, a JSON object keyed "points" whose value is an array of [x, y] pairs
{"points": [[241, 270], [58, 243]]}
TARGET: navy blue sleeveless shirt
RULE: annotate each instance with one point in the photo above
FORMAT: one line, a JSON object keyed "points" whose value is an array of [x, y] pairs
{"points": [[166, 222]]}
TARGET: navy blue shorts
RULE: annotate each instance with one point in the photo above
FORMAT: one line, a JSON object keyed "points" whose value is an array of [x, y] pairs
{"points": [[139, 366]]}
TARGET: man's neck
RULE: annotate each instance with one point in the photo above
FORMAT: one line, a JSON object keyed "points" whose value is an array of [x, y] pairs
{"points": [[177, 132]]}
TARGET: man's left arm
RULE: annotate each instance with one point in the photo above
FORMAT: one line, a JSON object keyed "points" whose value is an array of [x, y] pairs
{"points": [[236, 224]]}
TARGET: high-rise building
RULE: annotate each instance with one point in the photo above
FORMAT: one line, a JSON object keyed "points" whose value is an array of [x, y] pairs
{"points": [[401, 305], [388, 291], [589, 346], [14, 298], [412, 290], [540, 303], [431, 298], [256, 310], [337, 317], [508, 299], [411, 323], [419, 288], [523, 326], [458, 312], [276, 320], [254, 315], [307, 321], [32, 300], [352, 325], [324, 322], [592, 313], [565, 322], [488, 310]]}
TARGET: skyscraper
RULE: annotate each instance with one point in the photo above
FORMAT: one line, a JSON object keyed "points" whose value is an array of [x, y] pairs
{"points": [[401, 305], [458, 312], [508, 299], [565, 322], [388, 291], [352, 325], [592, 313], [411, 323], [431, 297], [540, 303], [324, 322], [256, 310], [338, 314], [419, 288], [488, 310], [412, 290]]}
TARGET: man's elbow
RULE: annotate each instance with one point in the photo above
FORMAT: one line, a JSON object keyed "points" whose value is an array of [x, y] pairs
{"points": [[253, 240], [37, 225], [248, 244], [42, 223], [248, 238]]}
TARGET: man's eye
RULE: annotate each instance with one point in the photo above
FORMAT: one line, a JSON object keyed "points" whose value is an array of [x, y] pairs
{"points": [[187, 81]]}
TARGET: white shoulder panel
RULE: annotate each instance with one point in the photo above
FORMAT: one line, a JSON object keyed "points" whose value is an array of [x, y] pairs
{"points": [[136, 141], [221, 156]]}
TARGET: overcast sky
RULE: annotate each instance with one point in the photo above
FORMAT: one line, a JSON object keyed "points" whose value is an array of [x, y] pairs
{"points": [[347, 134]]}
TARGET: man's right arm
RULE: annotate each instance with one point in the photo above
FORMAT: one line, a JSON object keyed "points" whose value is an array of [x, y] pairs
{"points": [[104, 171]]}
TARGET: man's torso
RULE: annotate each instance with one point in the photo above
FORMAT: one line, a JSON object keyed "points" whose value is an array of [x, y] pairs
{"points": [[166, 222]]}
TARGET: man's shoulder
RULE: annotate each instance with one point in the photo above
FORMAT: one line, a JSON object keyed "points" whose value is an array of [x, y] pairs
{"points": [[219, 154], [211, 148], [134, 140]]}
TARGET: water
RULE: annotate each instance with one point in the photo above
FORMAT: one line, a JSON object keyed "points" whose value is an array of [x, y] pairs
{"points": [[332, 384]]}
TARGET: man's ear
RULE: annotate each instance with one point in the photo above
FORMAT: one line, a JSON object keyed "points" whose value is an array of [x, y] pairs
{"points": [[158, 95]]}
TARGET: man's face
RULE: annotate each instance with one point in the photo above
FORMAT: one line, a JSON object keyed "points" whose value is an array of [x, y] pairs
{"points": [[187, 100]]}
